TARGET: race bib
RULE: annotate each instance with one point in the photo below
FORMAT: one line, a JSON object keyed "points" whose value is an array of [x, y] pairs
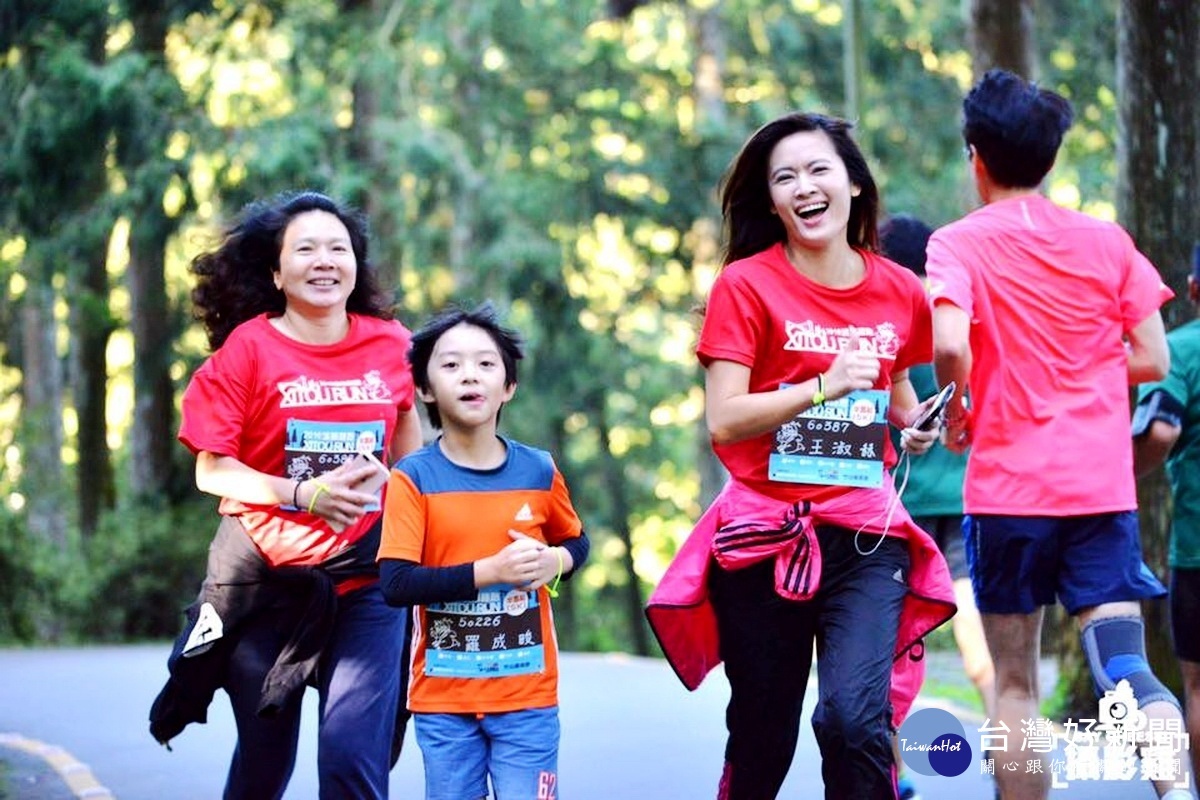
{"points": [[838, 443], [313, 448], [497, 634]]}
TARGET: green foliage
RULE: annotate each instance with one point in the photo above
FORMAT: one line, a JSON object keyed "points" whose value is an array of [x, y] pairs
{"points": [[133, 579], [540, 153], [19, 598], [130, 581]]}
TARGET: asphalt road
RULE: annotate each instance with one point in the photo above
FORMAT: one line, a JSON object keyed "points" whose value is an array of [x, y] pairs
{"points": [[630, 730]]}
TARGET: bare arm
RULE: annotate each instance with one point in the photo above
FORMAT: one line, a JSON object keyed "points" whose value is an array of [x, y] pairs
{"points": [[904, 409], [407, 436], [338, 503], [1151, 449], [735, 413], [1149, 357], [903, 403], [952, 360], [952, 349], [226, 476]]}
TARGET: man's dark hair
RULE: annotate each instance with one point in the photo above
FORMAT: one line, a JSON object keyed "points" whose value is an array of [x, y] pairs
{"points": [[902, 238], [1015, 127], [484, 317]]}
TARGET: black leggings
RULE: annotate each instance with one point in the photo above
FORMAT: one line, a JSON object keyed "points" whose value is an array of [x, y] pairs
{"points": [[767, 645]]}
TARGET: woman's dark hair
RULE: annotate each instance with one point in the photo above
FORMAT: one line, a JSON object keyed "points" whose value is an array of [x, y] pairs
{"points": [[1015, 127], [235, 282], [484, 317], [750, 225]]}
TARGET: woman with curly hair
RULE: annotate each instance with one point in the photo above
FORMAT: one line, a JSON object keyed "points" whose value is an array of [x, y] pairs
{"points": [[308, 370]]}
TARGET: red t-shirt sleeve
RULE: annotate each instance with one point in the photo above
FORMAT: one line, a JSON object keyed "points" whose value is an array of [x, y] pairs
{"points": [[215, 402], [918, 347], [733, 323], [1143, 291], [949, 279]]}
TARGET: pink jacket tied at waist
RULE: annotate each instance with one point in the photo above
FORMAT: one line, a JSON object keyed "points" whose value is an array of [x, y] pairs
{"points": [[743, 527]]}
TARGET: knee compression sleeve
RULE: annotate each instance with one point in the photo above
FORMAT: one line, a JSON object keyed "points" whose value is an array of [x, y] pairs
{"points": [[1115, 648]]}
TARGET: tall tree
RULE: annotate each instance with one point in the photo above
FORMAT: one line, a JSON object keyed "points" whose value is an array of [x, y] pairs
{"points": [[853, 58], [1158, 192], [1001, 36], [51, 172], [91, 323], [153, 108]]}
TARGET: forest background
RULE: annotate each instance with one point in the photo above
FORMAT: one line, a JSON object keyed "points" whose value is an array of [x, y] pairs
{"points": [[560, 157]]}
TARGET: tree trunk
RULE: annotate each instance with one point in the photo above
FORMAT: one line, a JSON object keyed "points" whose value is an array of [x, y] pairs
{"points": [[618, 490], [709, 91], [709, 68], [1157, 197], [152, 435], [42, 415], [1001, 35], [92, 325], [377, 22], [853, 59], [566, 615]]}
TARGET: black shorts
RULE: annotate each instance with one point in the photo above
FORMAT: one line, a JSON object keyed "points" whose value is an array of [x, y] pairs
{"points": [[947, 533], [1185, 606]]}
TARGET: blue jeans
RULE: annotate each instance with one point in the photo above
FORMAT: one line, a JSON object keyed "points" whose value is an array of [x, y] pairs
{"points": [[518, 749], [359, 689]]}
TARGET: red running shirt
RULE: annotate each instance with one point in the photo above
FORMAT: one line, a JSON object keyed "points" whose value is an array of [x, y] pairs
{"points": [[298, 410], [764, 314]]}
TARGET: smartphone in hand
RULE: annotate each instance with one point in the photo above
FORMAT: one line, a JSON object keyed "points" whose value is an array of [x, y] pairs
{"points": [[376, 480], [935, 411]]}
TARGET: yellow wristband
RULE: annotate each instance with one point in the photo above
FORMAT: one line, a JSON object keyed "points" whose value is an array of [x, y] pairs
{"points": [[312, 503], [552, 588], [818, 399]]}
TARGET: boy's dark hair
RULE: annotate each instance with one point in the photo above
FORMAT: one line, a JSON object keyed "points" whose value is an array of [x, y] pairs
{"points": [[484, 317], [902, 238], [1015, 127], [751, 225]]}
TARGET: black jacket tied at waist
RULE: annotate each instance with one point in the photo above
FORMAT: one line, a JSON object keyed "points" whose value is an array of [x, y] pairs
{"points": [[240, 585]]}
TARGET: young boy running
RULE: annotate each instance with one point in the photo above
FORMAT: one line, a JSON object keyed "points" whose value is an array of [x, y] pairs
{"points": [[478, 532]]}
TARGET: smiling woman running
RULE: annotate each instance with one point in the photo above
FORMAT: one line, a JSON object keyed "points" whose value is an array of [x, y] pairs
{"points": [[806, 342], [308, 368]]}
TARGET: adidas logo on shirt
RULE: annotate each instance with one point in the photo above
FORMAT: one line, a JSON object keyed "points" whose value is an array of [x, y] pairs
{"points": [[525, 514]]}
